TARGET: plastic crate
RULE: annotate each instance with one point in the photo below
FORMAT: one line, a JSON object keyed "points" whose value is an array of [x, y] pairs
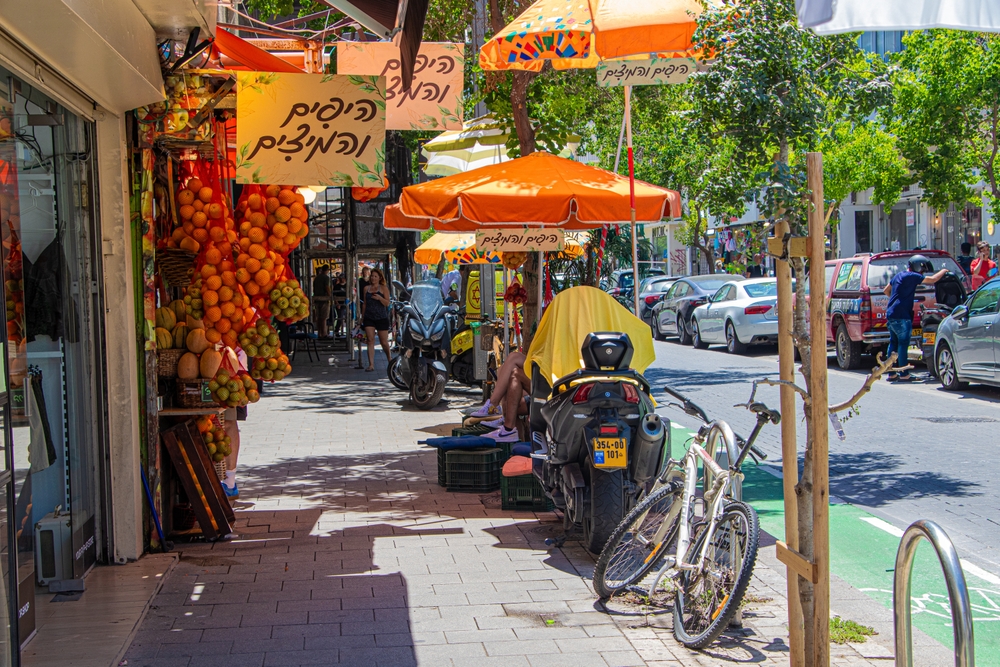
{"points": [[475, 429], [472, 469], [523, 493]]}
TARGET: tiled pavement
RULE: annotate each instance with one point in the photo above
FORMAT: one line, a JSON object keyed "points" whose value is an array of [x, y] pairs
{"points": [[348, 552]]}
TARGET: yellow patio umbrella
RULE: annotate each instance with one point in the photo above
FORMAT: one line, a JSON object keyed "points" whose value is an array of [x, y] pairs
{"points": [[461, 249]]}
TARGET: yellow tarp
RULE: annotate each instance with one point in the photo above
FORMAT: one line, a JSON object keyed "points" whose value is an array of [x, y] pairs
{"points": [[570, 317]]}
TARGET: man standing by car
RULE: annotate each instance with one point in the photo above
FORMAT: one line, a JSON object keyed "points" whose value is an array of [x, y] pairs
{"points": [[899, 313], [965, 259]]}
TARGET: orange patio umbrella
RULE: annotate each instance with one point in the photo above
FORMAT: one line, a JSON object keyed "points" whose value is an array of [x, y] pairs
{"points": [[539, 190]]}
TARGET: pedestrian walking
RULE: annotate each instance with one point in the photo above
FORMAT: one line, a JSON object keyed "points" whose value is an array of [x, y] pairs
{"points": [[339, 294], [375, 315], [899, 312], [982, 267], [965, 259], [323, 300]]}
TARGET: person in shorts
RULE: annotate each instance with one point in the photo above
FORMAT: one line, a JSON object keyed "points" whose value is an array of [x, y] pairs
{"points": [[375, 315]]}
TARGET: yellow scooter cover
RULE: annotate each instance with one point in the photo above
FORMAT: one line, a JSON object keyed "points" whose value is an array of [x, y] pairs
{"points": [[569, 318]]}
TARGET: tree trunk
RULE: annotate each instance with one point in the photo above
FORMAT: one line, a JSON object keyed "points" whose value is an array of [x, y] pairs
{"points": [[590, 272], [532, 271], [519, 104]]}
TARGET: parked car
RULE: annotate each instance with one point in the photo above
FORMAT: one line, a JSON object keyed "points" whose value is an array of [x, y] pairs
{"points": [[855, 314], [968, 341], [651, 290], [621, 280], [672, 314], [740, 314]]}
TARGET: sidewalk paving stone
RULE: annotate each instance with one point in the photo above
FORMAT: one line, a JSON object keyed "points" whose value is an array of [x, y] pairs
{"points": [[348, 552]]}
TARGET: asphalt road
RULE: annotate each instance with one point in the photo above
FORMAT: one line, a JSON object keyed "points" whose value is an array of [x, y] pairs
{"points": [[914, 451]]}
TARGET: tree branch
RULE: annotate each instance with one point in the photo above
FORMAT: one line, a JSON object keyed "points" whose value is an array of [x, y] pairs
{"points": [[883, 366], [784, 383]]}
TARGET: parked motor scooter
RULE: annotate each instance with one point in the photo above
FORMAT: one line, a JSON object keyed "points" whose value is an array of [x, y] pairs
{"points": [[949, 293], [426, 340]]}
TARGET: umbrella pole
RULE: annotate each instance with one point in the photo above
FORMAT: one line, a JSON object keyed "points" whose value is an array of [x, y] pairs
{"points": [[631, 199], [604, 229]]}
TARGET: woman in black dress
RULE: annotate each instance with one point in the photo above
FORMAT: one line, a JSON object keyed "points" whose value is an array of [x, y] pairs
{"points": [[375, 315]]}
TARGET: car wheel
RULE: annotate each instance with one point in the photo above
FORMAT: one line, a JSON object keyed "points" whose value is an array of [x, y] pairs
{"points": [[696, 336], [683, 331], [657, 334], [733, 344], [848, 351], [947, 369]]}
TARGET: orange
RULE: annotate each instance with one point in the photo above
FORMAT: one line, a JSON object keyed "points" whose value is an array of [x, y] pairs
{"points": [[286, 197], [248, 313], [245, 244], [185, 197], [217, 234], [245, 227], [186, 211], [252, 288], [213, 255], [242, 275], [273, 190], [275, 243], [199, 219], [178, 234], [237, 299], [282, 214], [207, 271], [213, 314], [223, 325], [298, 211], [302, 232], [256, 235], [200, 235], [229, 338], [257, 251], [257, 219], [254, 202], [272, 204], [213, 282], [241, 260], [262, 277], [271, 221], [294, 225], [226, 292], [215, 211], [280, 230], [188, 228], [228, 279], [267, 264], [213, 336], [225, 265], [205, 194], [227, 309], [230, 223], [210, 297], [188, 243], [238, 324], [194, 185], [253, 265], [231, 235], [242, 206]]}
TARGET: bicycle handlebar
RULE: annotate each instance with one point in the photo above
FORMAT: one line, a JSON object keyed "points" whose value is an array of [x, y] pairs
{"points": [[687, 404]]}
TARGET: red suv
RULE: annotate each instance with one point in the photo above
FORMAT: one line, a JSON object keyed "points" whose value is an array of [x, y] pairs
{"points": [[855, 315]]}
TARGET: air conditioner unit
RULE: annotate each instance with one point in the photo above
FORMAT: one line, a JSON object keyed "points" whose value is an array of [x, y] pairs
{"points": [[53, 548]]}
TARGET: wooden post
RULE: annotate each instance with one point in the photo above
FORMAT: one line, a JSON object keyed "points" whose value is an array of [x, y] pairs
{"points": [[819, 409], [789, 449]]}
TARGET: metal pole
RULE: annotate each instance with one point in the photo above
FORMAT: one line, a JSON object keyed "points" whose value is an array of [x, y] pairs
{"points": [[819, 408], [631, 200], [541, 272], [958, 593]]}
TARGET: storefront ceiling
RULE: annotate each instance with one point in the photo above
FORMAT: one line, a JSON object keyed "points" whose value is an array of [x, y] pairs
{"points": [[175, 19], [107, 48]]}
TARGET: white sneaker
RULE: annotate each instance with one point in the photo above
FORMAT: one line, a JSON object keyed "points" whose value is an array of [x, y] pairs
{"points": [[503, 435]]}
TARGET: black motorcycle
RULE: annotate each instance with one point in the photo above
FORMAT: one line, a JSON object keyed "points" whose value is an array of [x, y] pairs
{"points": [[597, 442], [425, 344], [949, 293]]}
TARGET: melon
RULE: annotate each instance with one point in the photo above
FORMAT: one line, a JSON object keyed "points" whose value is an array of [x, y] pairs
{"points": [[196, 341], [187, 366], [180, 310], [179, 334], [164, 339], [165, 318], [194, 323], [211, 359]]}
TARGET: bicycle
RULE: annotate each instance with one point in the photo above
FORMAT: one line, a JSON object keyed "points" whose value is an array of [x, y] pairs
{"points": [[714, 556]]}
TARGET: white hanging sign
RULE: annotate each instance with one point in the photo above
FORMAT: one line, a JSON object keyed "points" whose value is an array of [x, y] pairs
{"points": [[520, 240]]}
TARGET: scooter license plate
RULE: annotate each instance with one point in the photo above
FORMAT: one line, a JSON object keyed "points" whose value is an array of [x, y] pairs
{"points": [[609, 453], [929, 338]]}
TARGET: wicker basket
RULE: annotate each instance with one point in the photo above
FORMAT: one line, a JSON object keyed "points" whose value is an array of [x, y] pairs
{"points": [[189, 394], [166, 362], [220, 469], [176, 266]]}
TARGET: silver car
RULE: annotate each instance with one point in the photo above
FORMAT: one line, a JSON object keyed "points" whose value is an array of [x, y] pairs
{"points": [[968, 341], [739, 314]]}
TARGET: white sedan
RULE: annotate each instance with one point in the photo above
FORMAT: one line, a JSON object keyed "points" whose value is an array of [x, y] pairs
{"points": [[739, 314]]}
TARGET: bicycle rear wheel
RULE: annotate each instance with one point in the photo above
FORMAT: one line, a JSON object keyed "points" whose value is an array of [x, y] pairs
{"points": [[639, 542], [707, 599]]}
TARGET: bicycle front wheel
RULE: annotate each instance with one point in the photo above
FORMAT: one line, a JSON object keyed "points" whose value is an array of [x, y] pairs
{"points": [[639, 542], [707, 598]]}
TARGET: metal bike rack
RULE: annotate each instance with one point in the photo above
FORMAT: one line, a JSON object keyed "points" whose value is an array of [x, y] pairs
{"points": [[723, 456], [958, 593]]}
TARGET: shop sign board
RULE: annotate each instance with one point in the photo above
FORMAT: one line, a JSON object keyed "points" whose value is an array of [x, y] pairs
{"points": [[310, 129], [648, 72], [911, 219], [520, 240], [434, 101]]}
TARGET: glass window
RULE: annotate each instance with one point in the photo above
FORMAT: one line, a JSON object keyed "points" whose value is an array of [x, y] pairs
{"points": [[842, 276], [985, 300], [881, 271], [758, 290], [683, 289], [854, 280]]}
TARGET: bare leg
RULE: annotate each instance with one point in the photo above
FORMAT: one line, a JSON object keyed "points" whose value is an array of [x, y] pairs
{"points": [[505, 372], [383, 337], [232, 429], [370, 333], [513, 400]]}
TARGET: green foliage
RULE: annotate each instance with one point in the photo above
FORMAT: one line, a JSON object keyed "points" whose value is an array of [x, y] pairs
{"points": [[946, 112], [843, 631], [862, 156]]}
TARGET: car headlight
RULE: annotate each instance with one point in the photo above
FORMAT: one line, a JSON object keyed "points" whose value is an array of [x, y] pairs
{"points": [[416, 331], [438, 331]]}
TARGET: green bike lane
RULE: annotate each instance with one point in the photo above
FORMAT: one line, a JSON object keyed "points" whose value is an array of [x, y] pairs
{"points": [[863, 554]]}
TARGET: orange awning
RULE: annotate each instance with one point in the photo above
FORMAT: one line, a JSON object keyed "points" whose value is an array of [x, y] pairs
{"points": [[540, 190], [249, 55]]}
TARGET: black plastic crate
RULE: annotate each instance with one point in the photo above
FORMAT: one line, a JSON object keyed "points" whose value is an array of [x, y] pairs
{"points": [[472, 469], [523, 493], [475, 429]]}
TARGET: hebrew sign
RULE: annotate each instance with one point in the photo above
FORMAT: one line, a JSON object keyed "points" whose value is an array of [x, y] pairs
{"points": [[652, 72], [434, 101], [310, 129], [520, 240]]}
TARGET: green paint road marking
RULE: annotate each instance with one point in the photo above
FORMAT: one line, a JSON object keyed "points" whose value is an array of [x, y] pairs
{"points": [[863, 554]]}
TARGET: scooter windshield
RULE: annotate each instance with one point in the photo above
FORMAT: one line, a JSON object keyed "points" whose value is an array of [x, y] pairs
{"points": [[427, 298]]}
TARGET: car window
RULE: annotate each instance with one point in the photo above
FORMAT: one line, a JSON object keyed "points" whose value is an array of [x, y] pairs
{"points": [[854, 280], [721, 294], [985, 300], [713, 285], [881, 270], [683, 289], [656, 287], [758, 290], [843, 276]]}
